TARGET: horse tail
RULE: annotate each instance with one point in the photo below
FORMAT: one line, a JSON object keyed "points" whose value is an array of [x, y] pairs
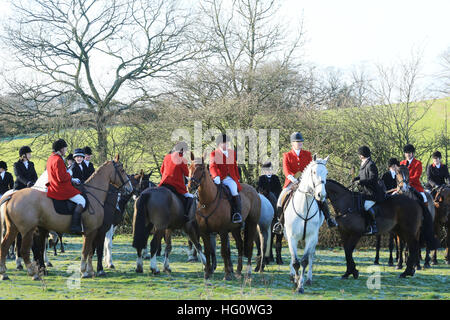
{"points": [[141, 229], [427, 228]]}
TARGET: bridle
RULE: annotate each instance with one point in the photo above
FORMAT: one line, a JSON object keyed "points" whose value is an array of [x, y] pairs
{"points": [[314, 186]]}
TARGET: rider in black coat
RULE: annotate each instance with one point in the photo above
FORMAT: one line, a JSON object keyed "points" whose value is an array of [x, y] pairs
{"points": [[6, 178], [368, 184], [78, 169], [24, 170], [269, 182], [437, 172], [88, 166], [389, 178]]}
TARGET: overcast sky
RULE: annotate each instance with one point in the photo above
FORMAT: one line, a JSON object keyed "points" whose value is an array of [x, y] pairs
{"points": [[343, 33]]}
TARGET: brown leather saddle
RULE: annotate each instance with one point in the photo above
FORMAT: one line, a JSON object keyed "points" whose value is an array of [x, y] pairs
{"points": [[288, 196]]}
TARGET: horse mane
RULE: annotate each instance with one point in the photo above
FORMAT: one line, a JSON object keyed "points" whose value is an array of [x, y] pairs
{"points": [[97, 171], [308, 167]]}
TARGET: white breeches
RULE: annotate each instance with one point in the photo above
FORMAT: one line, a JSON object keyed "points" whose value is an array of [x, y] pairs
{"points": [[368, 204], [231, 184], [424, 197], [188, 195], [78, 199]]}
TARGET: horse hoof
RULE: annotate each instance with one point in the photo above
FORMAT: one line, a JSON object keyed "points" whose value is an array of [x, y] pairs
{"points": [[447, 262], [139, 270], [301, 291], [86, 275], [111, 267], [155, 271], [5, 277], [101, 274], [228, 277], [35, 277], [49, 265], [399, 267], [434, 263], [390, 264], [193, 259], [345, 276], [376, 263], [167, 270], [19, 267], [418, 267], [308, 282], [402, 275], [426, 266], [280, 262]]}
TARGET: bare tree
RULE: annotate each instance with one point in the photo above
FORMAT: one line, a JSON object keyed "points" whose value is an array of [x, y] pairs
{"points": [[102, 51]]}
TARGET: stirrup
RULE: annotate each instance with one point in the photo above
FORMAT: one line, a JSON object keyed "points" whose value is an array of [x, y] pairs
{"points": [[277, 228], [237, 218]]}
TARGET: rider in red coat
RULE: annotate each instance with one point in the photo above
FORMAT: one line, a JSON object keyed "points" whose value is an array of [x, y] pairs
{"points": [[223, 168], [415, 169], [296, 161], [174, 170], [60, 184]]}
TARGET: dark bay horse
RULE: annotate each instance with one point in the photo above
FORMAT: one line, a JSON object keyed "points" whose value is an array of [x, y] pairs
{"points": [[213, 215], [159, 209], [442, 220], [397, 213], [28, 209]]}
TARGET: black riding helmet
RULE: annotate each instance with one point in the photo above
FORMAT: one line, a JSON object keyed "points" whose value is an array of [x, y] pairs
{"points": [[24, 150], [3, 165], [409, 148], [88, 151], [364, 151], [393, 161], [222, 139], [436, 155], [59, 144], [297, 136]]}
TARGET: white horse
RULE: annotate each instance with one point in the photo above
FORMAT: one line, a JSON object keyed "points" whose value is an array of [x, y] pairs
{"points": [[303, 219]]}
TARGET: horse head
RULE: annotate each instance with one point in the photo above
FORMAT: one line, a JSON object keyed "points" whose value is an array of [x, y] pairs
{"points": [[402, 177], [119, 177], [315, 177], [442, 203], [197, 172]]}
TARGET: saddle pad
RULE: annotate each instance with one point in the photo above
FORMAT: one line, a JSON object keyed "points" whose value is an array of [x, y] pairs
{"points": [[65, 207], [287, 197]]}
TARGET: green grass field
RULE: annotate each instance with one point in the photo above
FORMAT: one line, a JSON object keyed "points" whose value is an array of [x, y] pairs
{"points": [[186, 280]]}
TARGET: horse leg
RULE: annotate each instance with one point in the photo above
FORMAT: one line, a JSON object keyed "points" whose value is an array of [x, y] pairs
{"points": [[192, 252], [27, 241], [240, 248], [108, 248], [8, 240], [271, 259], [426, 264], [400, 254], [377, 249], [155, 244], [447, 253], [349, 245], [39, 249], [295, 264], [259, 256], [18, 245], [61, 244], [434, 260], [46, 260], [391, 248], [224, 252], [311, 252], [168, 241], [86, 268], [99, 244], [250, 233], [207, 245], [278, 247], [139, 261], [194, 242], [419, 252], [413, 246]]}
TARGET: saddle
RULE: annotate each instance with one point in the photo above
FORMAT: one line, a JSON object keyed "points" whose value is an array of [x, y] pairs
{"points": [[287, 197], [67, 207]]}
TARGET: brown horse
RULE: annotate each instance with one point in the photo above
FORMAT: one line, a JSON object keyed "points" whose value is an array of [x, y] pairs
{"points": [[404, 187], [441, 221], [214, 215], [28, 209], [397, 213]]}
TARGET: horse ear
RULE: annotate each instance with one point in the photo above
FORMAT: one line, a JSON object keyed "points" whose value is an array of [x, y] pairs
{"points": [[326, 159], [315, 156], [142, 173], [192, 156], [116, 159]]}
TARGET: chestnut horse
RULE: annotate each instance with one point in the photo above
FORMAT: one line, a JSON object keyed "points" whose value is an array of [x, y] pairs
{"points": [[214, 215], [28, 209]]}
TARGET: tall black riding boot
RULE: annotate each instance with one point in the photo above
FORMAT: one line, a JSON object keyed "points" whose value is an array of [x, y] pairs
{"points": [[373, 223], [278, 226], [323, 206], [187, 207], [237, 208], [75, 227]]}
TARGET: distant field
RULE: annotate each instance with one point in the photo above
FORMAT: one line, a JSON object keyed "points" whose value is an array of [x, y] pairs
{"points": [[186, 280]]}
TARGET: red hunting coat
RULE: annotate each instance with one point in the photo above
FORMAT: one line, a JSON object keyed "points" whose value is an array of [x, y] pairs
{"points": [[293, 163], [415, 171], [59, 180], [173, 170], [220, 165]]}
